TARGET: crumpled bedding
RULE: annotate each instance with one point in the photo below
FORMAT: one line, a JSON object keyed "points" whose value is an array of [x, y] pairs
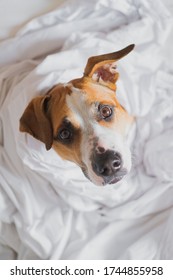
{"points": [[48, 209]]}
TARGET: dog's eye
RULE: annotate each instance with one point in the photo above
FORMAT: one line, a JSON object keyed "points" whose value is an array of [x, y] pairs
{"points": [[65, 134], [105, 111]]}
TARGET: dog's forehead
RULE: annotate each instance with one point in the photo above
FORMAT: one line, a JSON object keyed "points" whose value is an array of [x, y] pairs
{"points": [[78, 102], [92, 91], [85, 94], [79, 108], [85, 97]]}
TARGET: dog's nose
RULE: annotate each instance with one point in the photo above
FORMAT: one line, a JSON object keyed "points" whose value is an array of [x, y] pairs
{"points": [[107, 163]]}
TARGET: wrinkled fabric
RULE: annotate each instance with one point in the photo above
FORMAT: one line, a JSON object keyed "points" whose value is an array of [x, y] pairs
{"points": [[48, 209]]}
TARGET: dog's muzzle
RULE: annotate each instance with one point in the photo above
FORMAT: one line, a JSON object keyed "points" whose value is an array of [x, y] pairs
{"points": [[108, 165]]}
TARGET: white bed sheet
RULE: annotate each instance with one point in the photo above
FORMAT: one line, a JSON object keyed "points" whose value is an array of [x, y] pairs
{"points": [[48, 210], [15, 14]]}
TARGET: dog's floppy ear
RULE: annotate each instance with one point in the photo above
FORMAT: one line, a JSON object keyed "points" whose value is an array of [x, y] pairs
{"points": [[36, 122], [102, 68]]}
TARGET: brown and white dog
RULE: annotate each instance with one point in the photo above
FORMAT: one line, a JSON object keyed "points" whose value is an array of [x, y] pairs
{"points": [[84, 122]]}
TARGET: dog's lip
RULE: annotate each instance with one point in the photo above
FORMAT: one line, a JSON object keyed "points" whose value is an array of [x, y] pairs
{"points": [[115, 180], [118, 177]]}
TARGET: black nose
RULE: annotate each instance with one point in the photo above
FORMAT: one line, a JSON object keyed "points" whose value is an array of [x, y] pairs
{"points": [[106, 164]]}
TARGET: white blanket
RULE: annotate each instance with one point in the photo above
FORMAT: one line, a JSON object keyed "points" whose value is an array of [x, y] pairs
{"points": [[48, 209]]}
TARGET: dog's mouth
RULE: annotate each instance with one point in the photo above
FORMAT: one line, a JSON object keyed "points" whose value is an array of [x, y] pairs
{"points": [[107, 180], [115, 180]]}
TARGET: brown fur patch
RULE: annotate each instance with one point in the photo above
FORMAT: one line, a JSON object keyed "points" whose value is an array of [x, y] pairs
{"points": [[58, 111]]}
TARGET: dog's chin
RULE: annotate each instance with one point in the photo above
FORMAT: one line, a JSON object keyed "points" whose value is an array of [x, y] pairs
{"points": [[99, 181], [115, 180]]}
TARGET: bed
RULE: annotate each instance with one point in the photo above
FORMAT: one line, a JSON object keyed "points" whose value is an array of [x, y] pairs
{"points": [[48, 210]]}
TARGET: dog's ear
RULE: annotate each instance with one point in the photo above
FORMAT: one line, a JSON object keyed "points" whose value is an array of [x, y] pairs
{"points": [[102, 68], [36, 122]]}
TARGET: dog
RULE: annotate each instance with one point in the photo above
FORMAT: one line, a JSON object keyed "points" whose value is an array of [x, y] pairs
{"points": [[83, 121]]}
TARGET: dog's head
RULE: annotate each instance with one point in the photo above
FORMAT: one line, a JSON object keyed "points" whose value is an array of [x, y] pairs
{"points": [[84, 122]]}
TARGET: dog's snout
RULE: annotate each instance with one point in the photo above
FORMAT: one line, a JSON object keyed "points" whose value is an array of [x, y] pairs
{"points": [[107, 163]]}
